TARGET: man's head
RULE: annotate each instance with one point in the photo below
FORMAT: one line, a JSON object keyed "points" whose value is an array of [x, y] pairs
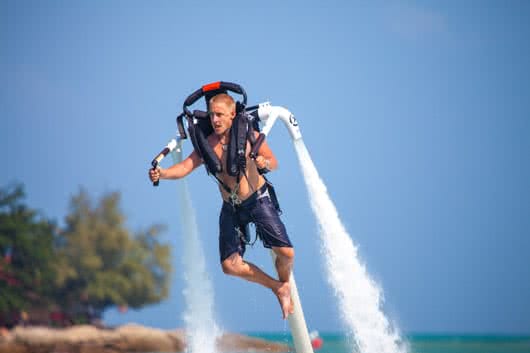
{"points": [[222, 110]]}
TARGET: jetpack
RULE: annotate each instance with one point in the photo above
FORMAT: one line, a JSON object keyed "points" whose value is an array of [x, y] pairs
{"points": [[195, 125], [247, 120]]}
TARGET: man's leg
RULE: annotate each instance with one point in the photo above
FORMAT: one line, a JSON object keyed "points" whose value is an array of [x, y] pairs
{"points": [[284, 262], [284, 267], [235, 265]]}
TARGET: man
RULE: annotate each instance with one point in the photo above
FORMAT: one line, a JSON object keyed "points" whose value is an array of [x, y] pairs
{"points": [[254, 205]]}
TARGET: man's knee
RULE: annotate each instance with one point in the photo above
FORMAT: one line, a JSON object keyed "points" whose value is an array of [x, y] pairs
{"points": [[285, 253], [231, 264]]}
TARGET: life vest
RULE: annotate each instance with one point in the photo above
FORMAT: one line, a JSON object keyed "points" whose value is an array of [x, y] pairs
{"points": [[241, 131]]}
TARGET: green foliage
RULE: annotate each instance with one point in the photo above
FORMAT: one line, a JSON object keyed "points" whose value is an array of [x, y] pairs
{"points": [[90, 265], [27, 258], [102, 264]]}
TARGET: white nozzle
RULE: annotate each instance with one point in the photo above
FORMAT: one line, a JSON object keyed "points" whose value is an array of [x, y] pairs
{"points": [[268, 115], [172, 145], [175, 144], [175, 148]]}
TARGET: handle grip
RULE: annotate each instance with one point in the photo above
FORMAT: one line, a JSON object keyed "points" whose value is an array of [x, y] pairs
{"points": [[254, 152], [157, 159], [257, 145], [155, 165], [155, 183]]}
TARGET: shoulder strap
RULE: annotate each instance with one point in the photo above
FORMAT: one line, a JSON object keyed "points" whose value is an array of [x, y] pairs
{"points": [[236, 159]]}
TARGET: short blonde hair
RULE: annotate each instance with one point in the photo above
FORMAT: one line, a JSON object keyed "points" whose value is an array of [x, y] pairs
{"points": [[223, 98]]}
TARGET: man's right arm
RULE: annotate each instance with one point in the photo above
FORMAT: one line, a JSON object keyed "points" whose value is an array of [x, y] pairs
{"points": [[179, 170]]}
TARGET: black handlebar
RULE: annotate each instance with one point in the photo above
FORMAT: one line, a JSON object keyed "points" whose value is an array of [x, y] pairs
{"points": [[257, 145], [156, 161]]}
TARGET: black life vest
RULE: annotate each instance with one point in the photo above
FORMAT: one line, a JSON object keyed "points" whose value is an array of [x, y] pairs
{"points": [[242, 130]]}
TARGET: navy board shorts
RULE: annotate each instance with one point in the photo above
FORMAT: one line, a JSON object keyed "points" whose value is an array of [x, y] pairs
{"points": [[258, 209]]}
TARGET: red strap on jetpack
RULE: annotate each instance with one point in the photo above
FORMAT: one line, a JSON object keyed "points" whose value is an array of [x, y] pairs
{"points": [[211, 86]]}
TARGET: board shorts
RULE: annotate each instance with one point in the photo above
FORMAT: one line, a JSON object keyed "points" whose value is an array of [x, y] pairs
{"points": [[257, 209]]}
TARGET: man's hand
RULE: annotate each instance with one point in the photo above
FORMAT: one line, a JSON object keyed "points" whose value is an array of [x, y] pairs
{"points": [[154, 174], [262, 162]]}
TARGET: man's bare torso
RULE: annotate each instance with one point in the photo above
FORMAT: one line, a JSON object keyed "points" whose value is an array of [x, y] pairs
{"points": [[250, 180]]}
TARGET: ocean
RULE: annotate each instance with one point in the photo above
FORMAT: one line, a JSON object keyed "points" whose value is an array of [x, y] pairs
{"points": [[423, 343]]}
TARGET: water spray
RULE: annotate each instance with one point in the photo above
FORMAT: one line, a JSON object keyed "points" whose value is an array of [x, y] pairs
{"points": [[359, 298]]}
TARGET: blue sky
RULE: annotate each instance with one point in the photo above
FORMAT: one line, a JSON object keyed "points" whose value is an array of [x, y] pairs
{"points": [[416, 114]]}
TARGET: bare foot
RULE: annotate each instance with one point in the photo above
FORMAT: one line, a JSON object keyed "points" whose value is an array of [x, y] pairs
{"points": [[284, 297]]}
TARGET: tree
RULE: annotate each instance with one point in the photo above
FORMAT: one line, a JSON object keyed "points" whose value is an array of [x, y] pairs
{"points": [[27, 258], [101, 264]]}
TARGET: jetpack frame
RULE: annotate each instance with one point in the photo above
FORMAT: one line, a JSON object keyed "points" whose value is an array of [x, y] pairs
{"points": [[198, 129]]}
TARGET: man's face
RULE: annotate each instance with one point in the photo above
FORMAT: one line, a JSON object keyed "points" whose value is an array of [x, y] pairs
{"points": [[221, 117]]}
